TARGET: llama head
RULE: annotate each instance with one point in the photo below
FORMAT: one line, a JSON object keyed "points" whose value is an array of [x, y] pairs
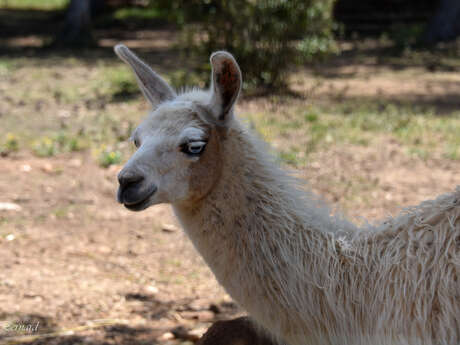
{"points": [[179, 143]]}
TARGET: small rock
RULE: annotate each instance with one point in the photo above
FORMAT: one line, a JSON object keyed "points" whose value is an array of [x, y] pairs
{"points": [[47, 167], [9, 206], [152, 289], [10, 237], [169, 228], [182, 333], [26, 168], [198, 332], [166, 336], [104, 249]]}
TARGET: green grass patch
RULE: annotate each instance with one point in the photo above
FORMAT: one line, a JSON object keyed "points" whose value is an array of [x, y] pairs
{"points": [[61, 212], [34, 4], [108, 156], [10, 144], [130, 13], [300, 132], [122, 85], [6, 66], [115, 83], [47, 146]]}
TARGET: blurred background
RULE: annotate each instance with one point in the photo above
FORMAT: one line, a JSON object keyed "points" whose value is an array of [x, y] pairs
{"points": [[360, 98]]}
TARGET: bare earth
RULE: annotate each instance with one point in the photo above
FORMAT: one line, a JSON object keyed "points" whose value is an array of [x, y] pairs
{"points": [[77, 262]]}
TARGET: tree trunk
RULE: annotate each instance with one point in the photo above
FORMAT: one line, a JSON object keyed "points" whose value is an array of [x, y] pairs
{"points": [[445, 24], [77, 26]]}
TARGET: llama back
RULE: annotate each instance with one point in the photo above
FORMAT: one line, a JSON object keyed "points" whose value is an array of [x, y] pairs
{"points": [[407, 273], [398, 283]]}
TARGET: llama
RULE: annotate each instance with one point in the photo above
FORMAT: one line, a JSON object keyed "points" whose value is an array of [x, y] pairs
{"points": [[304, 275]]}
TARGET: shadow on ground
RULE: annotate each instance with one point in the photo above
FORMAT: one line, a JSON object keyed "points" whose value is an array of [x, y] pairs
{"points": [[37, 329], [29, 33], [44, 331]]}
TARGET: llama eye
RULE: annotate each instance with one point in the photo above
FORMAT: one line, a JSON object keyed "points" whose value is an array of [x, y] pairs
{"points": [[137, 143], [193, 148]]}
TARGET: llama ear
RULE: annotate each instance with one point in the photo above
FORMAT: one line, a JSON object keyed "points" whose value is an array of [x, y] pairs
{"points": [[154, 88], [226, 85]]}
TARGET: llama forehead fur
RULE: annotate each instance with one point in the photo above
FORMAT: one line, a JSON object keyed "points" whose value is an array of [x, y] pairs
{"points": [[303, 274]]}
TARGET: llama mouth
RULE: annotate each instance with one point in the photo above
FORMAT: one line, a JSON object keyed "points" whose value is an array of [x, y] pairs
{"points": [[139, 206], [136, 205]]}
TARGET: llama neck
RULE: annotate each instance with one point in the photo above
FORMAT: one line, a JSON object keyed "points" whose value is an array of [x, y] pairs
{"points": [[259, 232]]}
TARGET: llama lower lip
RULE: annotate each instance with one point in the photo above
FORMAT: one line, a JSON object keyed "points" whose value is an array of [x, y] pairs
{"points": [[137, 205], [141, 205]]}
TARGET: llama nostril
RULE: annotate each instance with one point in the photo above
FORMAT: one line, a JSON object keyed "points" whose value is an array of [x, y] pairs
{"points": [[124, 179]]}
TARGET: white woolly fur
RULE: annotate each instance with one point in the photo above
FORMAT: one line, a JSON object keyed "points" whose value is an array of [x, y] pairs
{"points": [[309, 277]]}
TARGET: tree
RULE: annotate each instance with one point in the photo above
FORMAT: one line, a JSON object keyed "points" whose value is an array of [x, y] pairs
{"points": [[445, 24], [269, 37], [77, 25]]}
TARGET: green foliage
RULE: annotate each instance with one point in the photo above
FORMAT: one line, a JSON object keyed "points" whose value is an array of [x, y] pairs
{"points": [[11, 143], [108, 157], [268, 37], [119, 83], [405, 35], [292, 157], [5, 67], [311, 116], [136, 13], [61, 142], [34, 4], [45, 147]]}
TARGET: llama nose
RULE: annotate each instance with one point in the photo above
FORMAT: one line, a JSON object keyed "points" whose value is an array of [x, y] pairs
{"points": [[129, 178]]}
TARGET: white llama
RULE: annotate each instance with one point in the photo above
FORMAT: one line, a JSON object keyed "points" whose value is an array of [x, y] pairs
{"points": [[304, 276]]}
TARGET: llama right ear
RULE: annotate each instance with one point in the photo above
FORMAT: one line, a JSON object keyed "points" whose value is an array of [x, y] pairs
{"points": [[154, 88], [226, 85]]}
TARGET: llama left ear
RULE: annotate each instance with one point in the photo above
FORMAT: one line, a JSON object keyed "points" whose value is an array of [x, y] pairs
{"points": [[226, 85], [154, 88]]}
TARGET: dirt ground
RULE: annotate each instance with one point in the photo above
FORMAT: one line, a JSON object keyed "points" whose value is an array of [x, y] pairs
{"points": [[76, 259], [91, 272]]}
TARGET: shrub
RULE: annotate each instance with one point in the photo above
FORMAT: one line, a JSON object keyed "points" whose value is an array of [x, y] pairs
{"points": [[11, 143], [48, 146], [268, 37], [108, 157], [45, 147], [405, 35]]}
